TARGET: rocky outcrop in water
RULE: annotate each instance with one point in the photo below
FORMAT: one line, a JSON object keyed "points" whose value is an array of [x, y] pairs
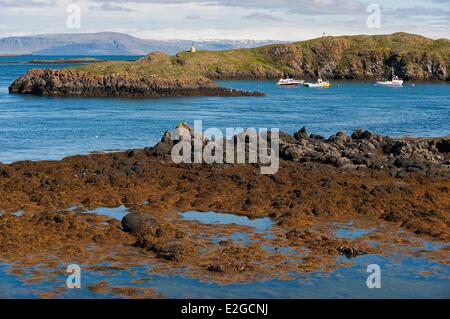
{"points": [[74, 82]]}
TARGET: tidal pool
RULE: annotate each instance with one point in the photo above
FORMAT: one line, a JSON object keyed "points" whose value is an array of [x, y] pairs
{"points": [[405, 277], [401, 276], [213, 218], [115, 212]]}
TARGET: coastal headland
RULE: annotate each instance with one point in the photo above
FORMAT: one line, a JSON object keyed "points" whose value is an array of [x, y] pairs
{"points": [[362, 57]]}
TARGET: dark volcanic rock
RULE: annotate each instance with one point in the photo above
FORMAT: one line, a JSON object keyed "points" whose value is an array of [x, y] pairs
{"points": [[155, 234], [72, 82], [371, 150], [443, 146], [301, 134], [363, 148], [136, 223], [350, 251]]}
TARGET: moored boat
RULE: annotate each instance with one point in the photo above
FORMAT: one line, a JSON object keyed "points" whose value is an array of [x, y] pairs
{"points": [[320, 83], [396, 81], [289, 82]]}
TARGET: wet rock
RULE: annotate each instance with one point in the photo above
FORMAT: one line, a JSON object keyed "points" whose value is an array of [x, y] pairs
{"points": [[341, 161], [361, 134], [400, 147], [301, 134], [316, 137], [170, 251], [410, 163], [339, 136], [216, 268], [350, 251], [443, 146], [138, 223], [291, 153], [285, 137], [297, 234], [167, 138], [160, 149], [392, 216]]}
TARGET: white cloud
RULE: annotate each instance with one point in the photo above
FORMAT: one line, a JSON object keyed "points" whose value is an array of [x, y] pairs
{"points": [[25, 3], [230, 19], [319, 7], [192, 16], [261, 16], [111, 7]]}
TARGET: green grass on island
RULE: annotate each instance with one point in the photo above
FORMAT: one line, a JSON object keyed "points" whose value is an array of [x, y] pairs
{"points": [[340, 55]]}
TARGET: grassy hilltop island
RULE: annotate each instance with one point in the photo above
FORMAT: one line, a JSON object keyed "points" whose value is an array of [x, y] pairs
{"points": [[412, 57]]}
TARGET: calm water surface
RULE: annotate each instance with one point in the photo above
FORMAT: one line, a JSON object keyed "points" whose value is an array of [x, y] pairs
{"points": [[35, 128], [402, 276]]}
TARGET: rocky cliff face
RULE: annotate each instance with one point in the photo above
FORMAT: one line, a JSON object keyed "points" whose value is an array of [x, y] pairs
{"points": [[359, 57]]}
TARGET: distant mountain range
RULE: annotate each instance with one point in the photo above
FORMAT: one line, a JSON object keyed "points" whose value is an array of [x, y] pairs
{"points": [[110, 43]]}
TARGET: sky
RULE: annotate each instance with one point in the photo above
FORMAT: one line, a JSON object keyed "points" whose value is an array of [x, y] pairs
{"points": [[287, 20]]}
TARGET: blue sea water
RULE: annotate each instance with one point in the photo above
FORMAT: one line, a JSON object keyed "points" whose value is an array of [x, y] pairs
{"points": [[36, 128], [400, 279]]}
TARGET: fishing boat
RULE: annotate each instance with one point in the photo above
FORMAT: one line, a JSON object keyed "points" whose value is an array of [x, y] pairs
{"points": [[395, 81], [319, 84], [289, 82]]}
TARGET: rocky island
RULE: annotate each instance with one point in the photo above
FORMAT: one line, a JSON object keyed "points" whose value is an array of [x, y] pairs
{"points": [[151, 76], [66, 61], [412, 57]]}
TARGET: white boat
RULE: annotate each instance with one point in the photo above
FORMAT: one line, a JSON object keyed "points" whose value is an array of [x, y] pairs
{"points": [[289, 82], [396, 81], [319, 84]]}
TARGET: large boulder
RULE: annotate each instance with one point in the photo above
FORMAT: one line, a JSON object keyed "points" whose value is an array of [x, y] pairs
{"points": [[138, 223]]}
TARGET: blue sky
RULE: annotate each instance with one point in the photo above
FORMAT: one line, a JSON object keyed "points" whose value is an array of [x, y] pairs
{"points": [[226, 19]]}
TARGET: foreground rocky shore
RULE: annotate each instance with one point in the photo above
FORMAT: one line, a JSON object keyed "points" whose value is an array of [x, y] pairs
{"points": [[400, 187]]}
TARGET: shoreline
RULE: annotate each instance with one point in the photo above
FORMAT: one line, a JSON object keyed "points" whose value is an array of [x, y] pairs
{"points": [[113, 151], [402, 205]]}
